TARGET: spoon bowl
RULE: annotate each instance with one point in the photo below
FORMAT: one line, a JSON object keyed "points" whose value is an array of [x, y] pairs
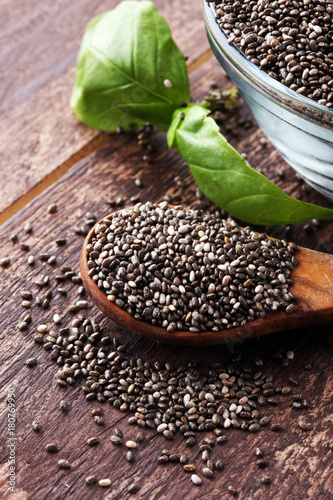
{"points": [[312, 287]]}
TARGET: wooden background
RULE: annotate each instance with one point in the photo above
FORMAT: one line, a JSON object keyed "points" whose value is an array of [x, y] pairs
{"points": [[47, 156]]}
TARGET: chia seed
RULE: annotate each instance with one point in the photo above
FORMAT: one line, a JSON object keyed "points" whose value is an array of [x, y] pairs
{"points": [[51, 209], [91, 480], [293, 45], [64, 464], [51, 448], [196, 479], [28, 228], [144, 262], [93, 441], [104, 482], [31, 362], [266, 480], [162, 397], [133, 488], [35, 426], [129, 456]]}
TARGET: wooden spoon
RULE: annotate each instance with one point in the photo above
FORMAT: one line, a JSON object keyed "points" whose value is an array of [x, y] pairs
{"points": [[312, 286]]}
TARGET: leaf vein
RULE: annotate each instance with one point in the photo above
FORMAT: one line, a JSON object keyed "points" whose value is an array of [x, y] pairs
{"points": [[125, 75]]}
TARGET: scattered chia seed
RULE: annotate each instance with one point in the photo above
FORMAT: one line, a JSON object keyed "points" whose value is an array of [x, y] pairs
{"points": [[91, 480], [189, 468], [64, 406], [133, 488], [51, 209], [219, 464], [25, 247], [129, 456], [262, 463], [31, 260], [159, 396], [276, 427], [93, 441], [22, 326], [304, 425], [264, 421], [120, 201], [232, 491], [294, 381], [196, 479], [64, 464], [207, 472], [104, 482], [140, 437], [57, 318], [116, 440], [35, 426], [31, 362], [27, 317], [99, 420], [14, 238], [254, 427], [5, 262], [131, 444], [44, 256], [266, 480], [42, 328], [51, 448], [28, 227], [60, 242]]}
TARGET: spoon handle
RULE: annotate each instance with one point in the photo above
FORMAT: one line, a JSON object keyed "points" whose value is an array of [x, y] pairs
{"points": [[313, 289], [313, 285]]}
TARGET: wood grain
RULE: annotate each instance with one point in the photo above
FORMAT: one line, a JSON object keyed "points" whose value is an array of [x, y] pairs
{"points": [[299, 462], [39, 132]]}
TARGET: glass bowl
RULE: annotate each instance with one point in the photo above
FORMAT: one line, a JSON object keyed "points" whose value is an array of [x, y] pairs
{"points": [[299, 128]]}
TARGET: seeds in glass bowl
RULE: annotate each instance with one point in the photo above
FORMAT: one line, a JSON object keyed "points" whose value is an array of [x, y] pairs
{"points": [[292, 42]]}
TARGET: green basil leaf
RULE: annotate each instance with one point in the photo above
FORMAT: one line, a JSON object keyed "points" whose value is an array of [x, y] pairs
{"points": [[227, 179], [126, 56]]}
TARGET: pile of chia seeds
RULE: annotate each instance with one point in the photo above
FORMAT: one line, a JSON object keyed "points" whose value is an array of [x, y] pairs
{"points": [[200, 403], [290, 40], [189, 270]]}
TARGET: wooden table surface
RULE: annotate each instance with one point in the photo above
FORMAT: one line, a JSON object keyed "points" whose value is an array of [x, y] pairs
{"points": [[48, 157]]}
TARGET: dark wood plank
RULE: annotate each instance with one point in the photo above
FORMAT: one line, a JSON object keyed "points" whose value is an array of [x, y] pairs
{"points": [[300, 462], [40, 41], [39, 46]]}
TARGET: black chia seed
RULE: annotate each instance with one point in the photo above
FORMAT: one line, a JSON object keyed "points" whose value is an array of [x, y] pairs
{"points": [[51, 448], [159, 396], [64, 464], [91, 480], [185, 270], [291, 41]]}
